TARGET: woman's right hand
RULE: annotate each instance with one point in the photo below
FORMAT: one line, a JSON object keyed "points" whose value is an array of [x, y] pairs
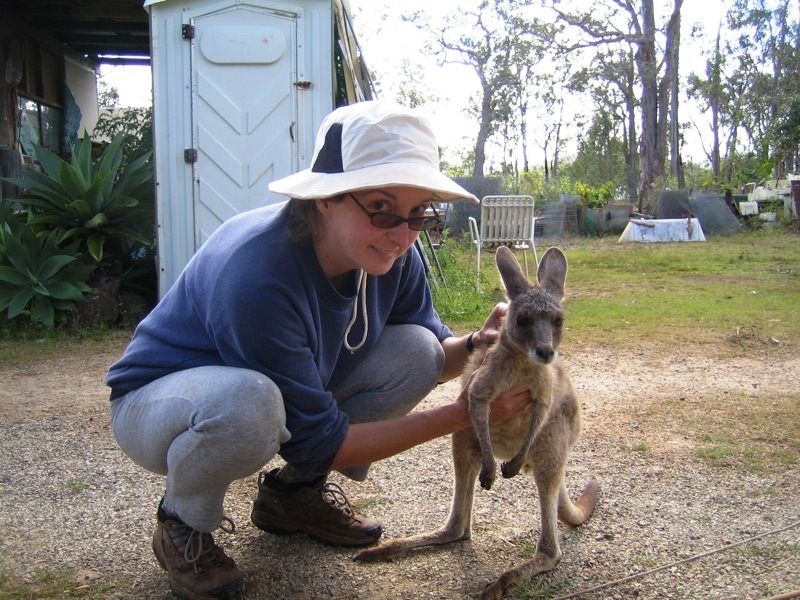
{"points": [[510, 403]]}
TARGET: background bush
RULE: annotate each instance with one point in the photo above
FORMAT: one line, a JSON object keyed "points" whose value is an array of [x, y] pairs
{"points": [[76, 223]]}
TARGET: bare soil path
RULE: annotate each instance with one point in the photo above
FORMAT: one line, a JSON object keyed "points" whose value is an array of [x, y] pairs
{"points": [[696, 448]]}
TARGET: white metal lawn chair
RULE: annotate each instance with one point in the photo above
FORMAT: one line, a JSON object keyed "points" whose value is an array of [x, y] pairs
{"points": [[505, 220]]}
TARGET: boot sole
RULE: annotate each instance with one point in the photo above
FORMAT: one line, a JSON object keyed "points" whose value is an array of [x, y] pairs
{"points": [[231, 592], [329, 541]]}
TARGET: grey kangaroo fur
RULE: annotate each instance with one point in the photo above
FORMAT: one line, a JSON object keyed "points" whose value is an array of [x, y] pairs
{"points": [[537, 441]]}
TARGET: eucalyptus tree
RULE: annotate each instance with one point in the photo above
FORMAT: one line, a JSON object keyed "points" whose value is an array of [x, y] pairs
{"points": [[751, 88], [410, 90], [767, 49], [489, 37], [552, 88], [615, 24], [714, 96], [601, 151], [522, 67], [611, 80], [723, 93], [668, 94]]}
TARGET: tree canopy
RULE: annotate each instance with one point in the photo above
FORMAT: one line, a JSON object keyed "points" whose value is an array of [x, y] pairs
{"points": [[620, 63]]}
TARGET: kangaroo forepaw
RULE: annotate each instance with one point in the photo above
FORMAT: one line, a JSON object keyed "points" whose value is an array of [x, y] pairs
{"points": [[510, 468], [487, 478]]}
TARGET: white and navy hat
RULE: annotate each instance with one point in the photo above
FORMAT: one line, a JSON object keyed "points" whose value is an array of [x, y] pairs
{"points": [[371, 145]]}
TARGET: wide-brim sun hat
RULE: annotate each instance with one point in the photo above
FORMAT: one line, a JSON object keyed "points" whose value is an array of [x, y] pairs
{"points": [[371, 145]]}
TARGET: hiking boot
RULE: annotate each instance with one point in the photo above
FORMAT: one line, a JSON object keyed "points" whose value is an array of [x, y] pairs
{"points": [[198, 568], [317, 508]]}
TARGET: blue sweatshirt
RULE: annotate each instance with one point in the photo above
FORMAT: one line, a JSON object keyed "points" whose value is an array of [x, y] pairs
{"points": [[251, 298]]}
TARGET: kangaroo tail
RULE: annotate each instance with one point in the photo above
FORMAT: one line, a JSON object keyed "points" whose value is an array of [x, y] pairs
{"points": [[395, 547], [577, 513]]}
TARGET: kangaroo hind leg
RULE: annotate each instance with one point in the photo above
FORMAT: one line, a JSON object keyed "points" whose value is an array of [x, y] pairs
{"points": [[459, 523], [549, 474]]}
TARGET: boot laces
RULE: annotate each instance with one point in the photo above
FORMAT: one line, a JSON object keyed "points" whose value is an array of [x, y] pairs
{"points": [[199, 548], [335, 496]]}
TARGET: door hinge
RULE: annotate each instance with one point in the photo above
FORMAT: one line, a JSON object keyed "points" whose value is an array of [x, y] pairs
{"points": [[190, 155], [187, 32], [303, 85]]}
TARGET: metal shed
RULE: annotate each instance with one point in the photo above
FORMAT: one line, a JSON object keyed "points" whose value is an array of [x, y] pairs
{"points": [[239, 90]]}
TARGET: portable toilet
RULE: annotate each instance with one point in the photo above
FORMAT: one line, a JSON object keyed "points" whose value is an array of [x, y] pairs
{"points": [[239, 90]]}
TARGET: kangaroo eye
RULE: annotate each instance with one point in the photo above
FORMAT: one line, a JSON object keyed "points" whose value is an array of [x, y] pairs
{"points": [[523, 321], [558, 322]]}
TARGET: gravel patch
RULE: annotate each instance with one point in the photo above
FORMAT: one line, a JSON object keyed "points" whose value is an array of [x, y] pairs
{"points": [[70, 501]]}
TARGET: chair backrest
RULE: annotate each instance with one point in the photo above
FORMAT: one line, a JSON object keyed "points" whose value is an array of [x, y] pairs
{"points": [[507, 219]]}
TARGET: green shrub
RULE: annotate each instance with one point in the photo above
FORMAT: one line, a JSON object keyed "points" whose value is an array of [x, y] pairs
{"points": [[133, 124], [594, 196], [457, 300], [90, 201], [37, 276]]}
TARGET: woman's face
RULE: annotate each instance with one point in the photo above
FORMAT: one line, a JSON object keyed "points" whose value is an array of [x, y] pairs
{"points": [[350, 241]]}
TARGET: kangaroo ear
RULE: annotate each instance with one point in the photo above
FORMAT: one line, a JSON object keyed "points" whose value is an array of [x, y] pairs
{"points": [[511, 273], [552, 273]]}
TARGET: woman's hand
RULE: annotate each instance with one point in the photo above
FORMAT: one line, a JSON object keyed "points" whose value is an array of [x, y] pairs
{"points": [[510, 404], [457, 349], [490, 332]]}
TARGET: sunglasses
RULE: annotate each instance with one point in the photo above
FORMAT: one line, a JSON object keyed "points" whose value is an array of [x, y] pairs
{"points": [[390, 220]]}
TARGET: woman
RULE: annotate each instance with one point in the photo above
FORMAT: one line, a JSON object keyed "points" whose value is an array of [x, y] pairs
{"points": [[304, 329]]}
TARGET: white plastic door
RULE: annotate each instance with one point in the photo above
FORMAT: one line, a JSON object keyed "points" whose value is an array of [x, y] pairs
{"points": [[244, 110]]}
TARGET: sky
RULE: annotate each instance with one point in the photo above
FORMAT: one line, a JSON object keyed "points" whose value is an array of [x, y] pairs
{"points": [[386, 42]]}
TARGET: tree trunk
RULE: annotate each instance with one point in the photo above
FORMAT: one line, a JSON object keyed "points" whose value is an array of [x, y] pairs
{"points": [[546, 161], [662, 126], [648, 72], [626, 84], [715, 159], [483, 130], [715, 99], [778, 75], [730, 152], [673, 61], [546, 167], [631, 156], [554, 170], [777, 67], [523, 130]]}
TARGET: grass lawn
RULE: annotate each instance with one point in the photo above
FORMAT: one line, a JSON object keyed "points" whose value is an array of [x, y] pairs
{"points": [[20, 347], [745, 285]]}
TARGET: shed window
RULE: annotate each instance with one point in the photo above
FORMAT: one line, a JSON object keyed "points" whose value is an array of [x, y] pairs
{"points": [[39, 124]]}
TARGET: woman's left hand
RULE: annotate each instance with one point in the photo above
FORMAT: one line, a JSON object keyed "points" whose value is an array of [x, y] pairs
{"points": [[490, 332]]}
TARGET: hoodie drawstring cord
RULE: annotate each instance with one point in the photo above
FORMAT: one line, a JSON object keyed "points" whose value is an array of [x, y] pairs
{"points": [[361, 293]]}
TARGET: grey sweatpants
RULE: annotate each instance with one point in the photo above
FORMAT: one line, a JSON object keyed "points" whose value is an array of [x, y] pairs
{"points": [[208, 426]]}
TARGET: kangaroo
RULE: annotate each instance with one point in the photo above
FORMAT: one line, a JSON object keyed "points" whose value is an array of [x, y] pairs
{"points": [[537, 441]]}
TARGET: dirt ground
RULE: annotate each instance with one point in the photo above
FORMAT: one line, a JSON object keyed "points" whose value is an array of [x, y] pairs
{"points": [[73, 505]]}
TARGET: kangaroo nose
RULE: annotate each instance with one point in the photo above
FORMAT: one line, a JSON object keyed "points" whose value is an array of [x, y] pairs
{"points": [[545, 353]]}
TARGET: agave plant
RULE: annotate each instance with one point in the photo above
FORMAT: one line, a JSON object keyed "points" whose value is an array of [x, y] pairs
{"points": [[37, 275], [88, 200]]}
